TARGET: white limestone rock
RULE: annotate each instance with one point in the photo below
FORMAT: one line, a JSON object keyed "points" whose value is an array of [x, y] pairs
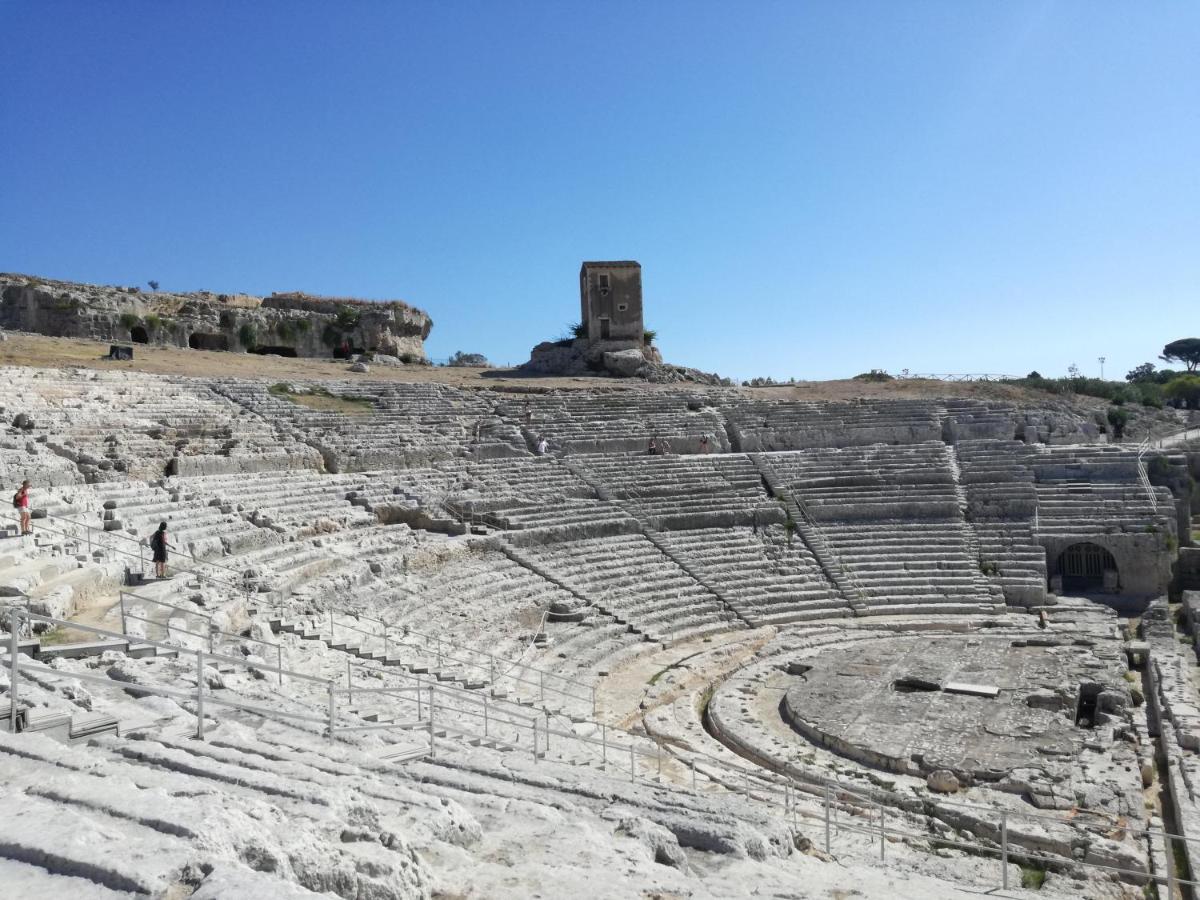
{"points": [[624, 363], [662, 846], [943, 781]]}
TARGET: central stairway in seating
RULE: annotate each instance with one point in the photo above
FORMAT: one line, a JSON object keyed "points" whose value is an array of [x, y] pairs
{"points": [[891, 514]]}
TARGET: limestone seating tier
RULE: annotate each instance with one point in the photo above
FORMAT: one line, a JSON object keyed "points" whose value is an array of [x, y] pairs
{"points": [[682, 491], [763, 578], [620, 421], [629, 576], [409, 424], [147, 423], [767, 425]]}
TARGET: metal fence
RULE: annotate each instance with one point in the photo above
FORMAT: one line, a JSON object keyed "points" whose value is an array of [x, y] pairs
{"points": [[834, 808]]}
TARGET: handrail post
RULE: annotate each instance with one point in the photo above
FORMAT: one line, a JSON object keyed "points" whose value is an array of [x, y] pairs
{"points": [[418, 698], [882, 833], [199, 695], [593, 701], [828, 804], [14, 675], [349, 684], [485, 715], [535, 744], [332, 710], [603, 744], [124, 630], [385, 645], [279, 661], [1004, 850], [432, 711], [547, 732], [1170, 864], [331, 628]]}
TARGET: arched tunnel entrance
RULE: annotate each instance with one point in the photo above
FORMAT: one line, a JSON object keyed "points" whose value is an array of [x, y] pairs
{"points": [[200, 341], [139, 335], [1083, 567]]}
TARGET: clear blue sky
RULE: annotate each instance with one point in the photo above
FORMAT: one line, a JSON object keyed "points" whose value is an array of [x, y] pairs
{"points": [[813, 189]]}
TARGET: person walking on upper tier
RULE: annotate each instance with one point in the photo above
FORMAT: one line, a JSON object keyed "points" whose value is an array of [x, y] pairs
{"points": [[159, 545], [21, 504]]}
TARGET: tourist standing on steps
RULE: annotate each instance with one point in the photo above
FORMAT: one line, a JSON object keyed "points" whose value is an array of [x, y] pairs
{"points": [[542, 445], [653, 448], [704, 443], [159, 545], [21, 504], [664, 447]]}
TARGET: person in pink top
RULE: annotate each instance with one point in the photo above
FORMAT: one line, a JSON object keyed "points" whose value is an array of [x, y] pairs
{"points": [[21, 502]]}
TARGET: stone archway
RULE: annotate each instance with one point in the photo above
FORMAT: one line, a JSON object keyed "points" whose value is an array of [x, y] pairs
{"points": [[1088, 567]]}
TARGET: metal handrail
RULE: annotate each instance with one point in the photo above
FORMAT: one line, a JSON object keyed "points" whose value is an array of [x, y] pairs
{"points": [[1143, 476], [141, 542], [493, 662], [238, 588], [836, 795]]}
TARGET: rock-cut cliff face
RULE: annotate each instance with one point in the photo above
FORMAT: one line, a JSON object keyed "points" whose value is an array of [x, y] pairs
{"points": [[289, 324]]}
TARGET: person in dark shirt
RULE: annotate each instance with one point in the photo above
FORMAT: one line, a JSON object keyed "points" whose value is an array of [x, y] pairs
{"points": [[159, 545]]}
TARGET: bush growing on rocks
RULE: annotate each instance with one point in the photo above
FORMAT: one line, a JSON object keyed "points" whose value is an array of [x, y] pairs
{"points": [[468, 359], [248, 336]]}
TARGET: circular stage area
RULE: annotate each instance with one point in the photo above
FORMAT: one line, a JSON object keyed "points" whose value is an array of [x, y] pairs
{"points": [[985, 709]]}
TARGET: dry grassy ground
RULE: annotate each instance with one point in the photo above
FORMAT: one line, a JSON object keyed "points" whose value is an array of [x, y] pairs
{"points": [[48, 352]]}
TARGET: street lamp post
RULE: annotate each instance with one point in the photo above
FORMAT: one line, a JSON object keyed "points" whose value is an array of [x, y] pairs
{"points": [[1102, 358]]}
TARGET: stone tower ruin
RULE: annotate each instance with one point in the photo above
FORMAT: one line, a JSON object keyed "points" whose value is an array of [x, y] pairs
{"points": [[610, 299]]}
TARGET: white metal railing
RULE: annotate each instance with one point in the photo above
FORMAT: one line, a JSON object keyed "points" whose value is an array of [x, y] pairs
{"points": [[838, 807], [16, 616], [835, 807], [106, 540], [1143, 476], [389, 637], [210, 635], [957, 376]]}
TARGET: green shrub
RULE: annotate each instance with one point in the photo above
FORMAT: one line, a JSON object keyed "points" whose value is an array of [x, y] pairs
{"points": [[129, 321], [153, 322], [330, 336], [303, 326], [1118, 418], [1033, 876], [283, 328], [347, 318], [578, 330], [1183, 390], [648, 337], [874, 375], [248, 336]]}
